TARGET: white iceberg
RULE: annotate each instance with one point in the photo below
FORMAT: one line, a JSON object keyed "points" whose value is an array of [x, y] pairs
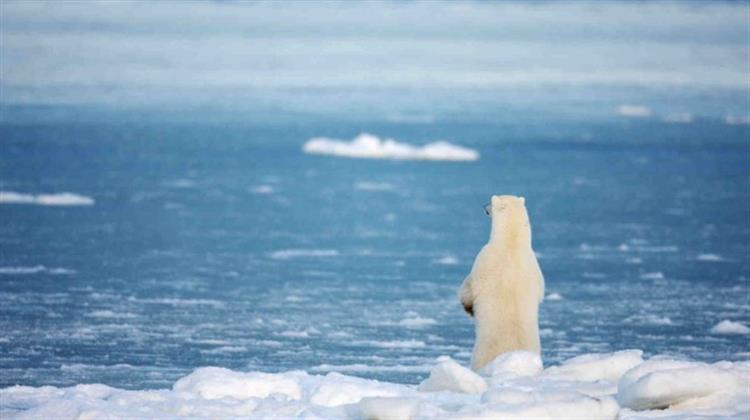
{"points": [[367, 146]]}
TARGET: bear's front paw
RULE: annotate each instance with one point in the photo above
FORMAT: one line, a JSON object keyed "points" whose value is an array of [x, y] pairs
{"points": [[469, 309]]}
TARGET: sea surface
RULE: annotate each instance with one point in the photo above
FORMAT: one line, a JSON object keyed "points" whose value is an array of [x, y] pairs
{"points": [[193, 238]]}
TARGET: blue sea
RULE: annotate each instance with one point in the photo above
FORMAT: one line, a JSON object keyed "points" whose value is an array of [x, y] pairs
{"points": [[199, 233], [226, 245]]}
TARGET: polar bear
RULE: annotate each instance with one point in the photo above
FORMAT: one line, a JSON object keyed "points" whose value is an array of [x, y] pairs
{"points": [[505, 286]]}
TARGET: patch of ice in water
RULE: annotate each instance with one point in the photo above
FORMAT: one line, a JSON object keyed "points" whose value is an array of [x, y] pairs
{"points": [[656, 275], [286, 254], [730, 327], [111, 315], [225, 350], [373, 186], [553, 296], [648, 319], [737, 119], [416, 322], [367, 146], [633, 111], [261, 189], [709, 257], [36, 269], [392, 344], [55, 199], [180, 183], [446, 260], [295, 334]]}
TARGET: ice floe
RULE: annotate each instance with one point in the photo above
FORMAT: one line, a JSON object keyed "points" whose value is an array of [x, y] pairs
{"points": [[286, 254], [58, 199], [730, 327], [605, 386], [368, 146]]}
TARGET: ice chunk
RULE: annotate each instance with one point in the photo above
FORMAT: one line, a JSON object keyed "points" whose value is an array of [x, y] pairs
{"points": [[378, 408], [594, 367], [515, 363], [730, 327], [214, 382], [662, 383], [58, 199], [450, 376], [504, 403], [337, 389]]}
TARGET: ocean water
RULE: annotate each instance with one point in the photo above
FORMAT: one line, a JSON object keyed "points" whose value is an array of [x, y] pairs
{"points": [[218, 242], [159, 213]]}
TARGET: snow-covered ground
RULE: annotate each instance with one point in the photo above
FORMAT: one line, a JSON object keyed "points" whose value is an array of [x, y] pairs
{"points": [[604, 386]]}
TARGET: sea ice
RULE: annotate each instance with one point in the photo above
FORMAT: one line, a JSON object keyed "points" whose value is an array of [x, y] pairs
{"points": [[730, 327], [603, 386], [59, 199], [367, 146]]}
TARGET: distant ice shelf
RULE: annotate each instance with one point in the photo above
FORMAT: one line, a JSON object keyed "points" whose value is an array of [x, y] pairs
{"points": [[368, 146], [607, 386]]}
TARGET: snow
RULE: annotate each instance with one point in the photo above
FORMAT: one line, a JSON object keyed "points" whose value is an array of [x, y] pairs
{"points": [[58, 199], [448, 375], [605, 386], [595, 367], [730, 327], [368, 146], [663, 383]]}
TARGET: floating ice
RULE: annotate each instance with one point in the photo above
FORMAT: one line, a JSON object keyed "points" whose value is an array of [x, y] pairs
{"points": [[730, 327], [634, 111], [554, 296], [709, 257], [416, 322], [656, 275], [648, 319], [737, 119], [604, 386], [446, 260], [286, 254], [373, 186], [367, 146], [261, 189], [36, 269], [59, 199]]}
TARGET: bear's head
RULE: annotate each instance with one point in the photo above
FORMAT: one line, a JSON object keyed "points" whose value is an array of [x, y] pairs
{"points": [[509, 218]]}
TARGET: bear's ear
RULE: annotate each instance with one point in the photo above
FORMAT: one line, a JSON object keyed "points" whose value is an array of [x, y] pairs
{"points": [[523, 200]]}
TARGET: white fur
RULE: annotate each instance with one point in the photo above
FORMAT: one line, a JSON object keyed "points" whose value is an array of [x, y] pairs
{"points": [[505, 285]]}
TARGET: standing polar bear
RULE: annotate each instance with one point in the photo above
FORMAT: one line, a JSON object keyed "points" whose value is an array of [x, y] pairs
{"points": [[505, 286]]}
